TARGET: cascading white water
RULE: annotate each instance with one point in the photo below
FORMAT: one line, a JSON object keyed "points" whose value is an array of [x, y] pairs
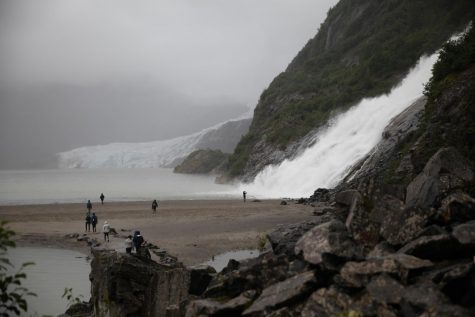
{"points": [[348, 138]]}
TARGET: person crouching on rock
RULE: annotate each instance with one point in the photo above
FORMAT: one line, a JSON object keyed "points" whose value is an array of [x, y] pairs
{"points": [[128, 244], [106, 229], [138, 241]]}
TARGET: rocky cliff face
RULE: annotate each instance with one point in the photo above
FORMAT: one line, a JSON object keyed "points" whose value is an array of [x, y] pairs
{"points": [[363, 49], [202, 162], [127, 285]]}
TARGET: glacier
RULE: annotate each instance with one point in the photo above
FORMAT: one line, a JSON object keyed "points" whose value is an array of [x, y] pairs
{"points": [[165, 153]]}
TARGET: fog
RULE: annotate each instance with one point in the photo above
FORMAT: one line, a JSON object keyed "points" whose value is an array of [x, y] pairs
{"points": [[84, 72]]}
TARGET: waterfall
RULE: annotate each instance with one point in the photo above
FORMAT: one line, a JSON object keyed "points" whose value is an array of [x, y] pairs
{"points": [[346, 140]]}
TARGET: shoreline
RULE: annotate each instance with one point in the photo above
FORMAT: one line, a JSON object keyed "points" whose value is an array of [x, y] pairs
{"points": [[192, 230]]}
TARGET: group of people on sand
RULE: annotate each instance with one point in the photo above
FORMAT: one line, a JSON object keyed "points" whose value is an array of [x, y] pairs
{"points": [[134, 242], [92, 219]]}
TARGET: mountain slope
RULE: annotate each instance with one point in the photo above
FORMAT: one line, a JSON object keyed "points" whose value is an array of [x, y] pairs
{"points": [[363, 49]]}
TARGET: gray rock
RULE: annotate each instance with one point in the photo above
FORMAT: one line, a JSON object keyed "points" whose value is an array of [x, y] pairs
{"points": [[283, 293], [327, 302], [458, 283], [438, 247], [231, 307], [431, 230], [283, 238], [380, 250], [348, 197], [328, 238], [403, 225], [424, 297], [465, 233], [385, 289], [458, 206], [200, 276], [447, 169], [358, 274]]}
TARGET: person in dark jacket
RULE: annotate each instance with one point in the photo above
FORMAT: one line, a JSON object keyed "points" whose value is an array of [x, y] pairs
{"points": [[89, 206], [102, 198], [94, 221], [88, 221], [137, 241], [154, 206]]}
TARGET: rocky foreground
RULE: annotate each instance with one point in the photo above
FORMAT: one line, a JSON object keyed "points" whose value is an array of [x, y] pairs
{"points": [[396, 238]]}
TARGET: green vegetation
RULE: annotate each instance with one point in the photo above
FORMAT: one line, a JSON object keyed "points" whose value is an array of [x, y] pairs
{"points": [[450, 111], [363, 49], [13, 294]]}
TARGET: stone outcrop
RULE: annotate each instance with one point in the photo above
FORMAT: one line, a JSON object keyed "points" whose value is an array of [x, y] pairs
{"points": [[127, 285], [202, 162]]}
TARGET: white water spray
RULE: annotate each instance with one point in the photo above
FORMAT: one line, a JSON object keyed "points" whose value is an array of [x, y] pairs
{"points": [[349, 137]]}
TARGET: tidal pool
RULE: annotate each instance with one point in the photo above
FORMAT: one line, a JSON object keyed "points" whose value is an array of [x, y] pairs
{"points": [[54, 270], [220, 261]]}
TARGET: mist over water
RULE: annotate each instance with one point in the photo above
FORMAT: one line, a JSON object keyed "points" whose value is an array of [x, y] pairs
{"points": [[347, 139]]}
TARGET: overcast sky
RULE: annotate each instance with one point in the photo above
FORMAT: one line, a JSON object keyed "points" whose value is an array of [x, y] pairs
{"points": [[163, 53]]}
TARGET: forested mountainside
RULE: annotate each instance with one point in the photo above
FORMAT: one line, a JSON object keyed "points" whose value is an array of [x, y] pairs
{"points": [[363, 49]]}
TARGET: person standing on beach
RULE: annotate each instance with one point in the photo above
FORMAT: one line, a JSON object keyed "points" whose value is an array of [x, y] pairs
{"points": [[106, 229], [244, 193], [88, 221], [94, 221], [128, 245], [102, 198], [154, 206], [89, 206]]}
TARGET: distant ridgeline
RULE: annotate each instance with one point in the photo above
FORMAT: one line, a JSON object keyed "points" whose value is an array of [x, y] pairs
{"points": [[363, 49]]}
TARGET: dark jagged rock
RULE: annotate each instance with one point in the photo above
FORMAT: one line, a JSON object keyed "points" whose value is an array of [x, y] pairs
{"points": [[257, 273], [458, 283], [202, 162], [402, 225], [126, 285], [283, 203], [385, 289], [321, 194], [231, 307], [431, 230], [283, 293], [347, 198], [457, 207], [327, 303], [329, 238], [83, 309], [438, 247], [284, 238], [380, 250], [358, 274], [200, 276], [465, 233], [446, 170]]}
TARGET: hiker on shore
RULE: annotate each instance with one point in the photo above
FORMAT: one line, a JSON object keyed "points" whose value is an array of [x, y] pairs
{"points": [[137, 241], [106, 229], [244, 193], [154, 206], [128, 245], [88, 221], [102, 198], [94, 221], [89, 206]]}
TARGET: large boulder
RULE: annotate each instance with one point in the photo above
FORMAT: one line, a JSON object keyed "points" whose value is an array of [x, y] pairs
{"points": [[284, 237], [330, 239], [465, 233], [283, 293], [446, 170], [200, 276], [358, 274], [457, 207], [385, 289], [126, 285], [436, 248]]}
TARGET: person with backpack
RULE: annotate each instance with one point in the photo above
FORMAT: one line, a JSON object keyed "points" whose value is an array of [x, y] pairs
{"points": [[89, 206], [94, 221], [137, 241], [106, 229], [88, 221], [154, 206]]}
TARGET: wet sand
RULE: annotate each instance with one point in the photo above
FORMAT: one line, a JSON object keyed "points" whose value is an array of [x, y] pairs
{"points": [[192, 230]]}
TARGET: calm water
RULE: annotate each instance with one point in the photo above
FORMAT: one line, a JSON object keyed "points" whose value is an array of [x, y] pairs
{"points": [[220, 261], [54, 270], [78, 185]]}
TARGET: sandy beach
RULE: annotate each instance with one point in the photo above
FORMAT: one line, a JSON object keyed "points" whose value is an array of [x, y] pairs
{"points": [[192, 230]]}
